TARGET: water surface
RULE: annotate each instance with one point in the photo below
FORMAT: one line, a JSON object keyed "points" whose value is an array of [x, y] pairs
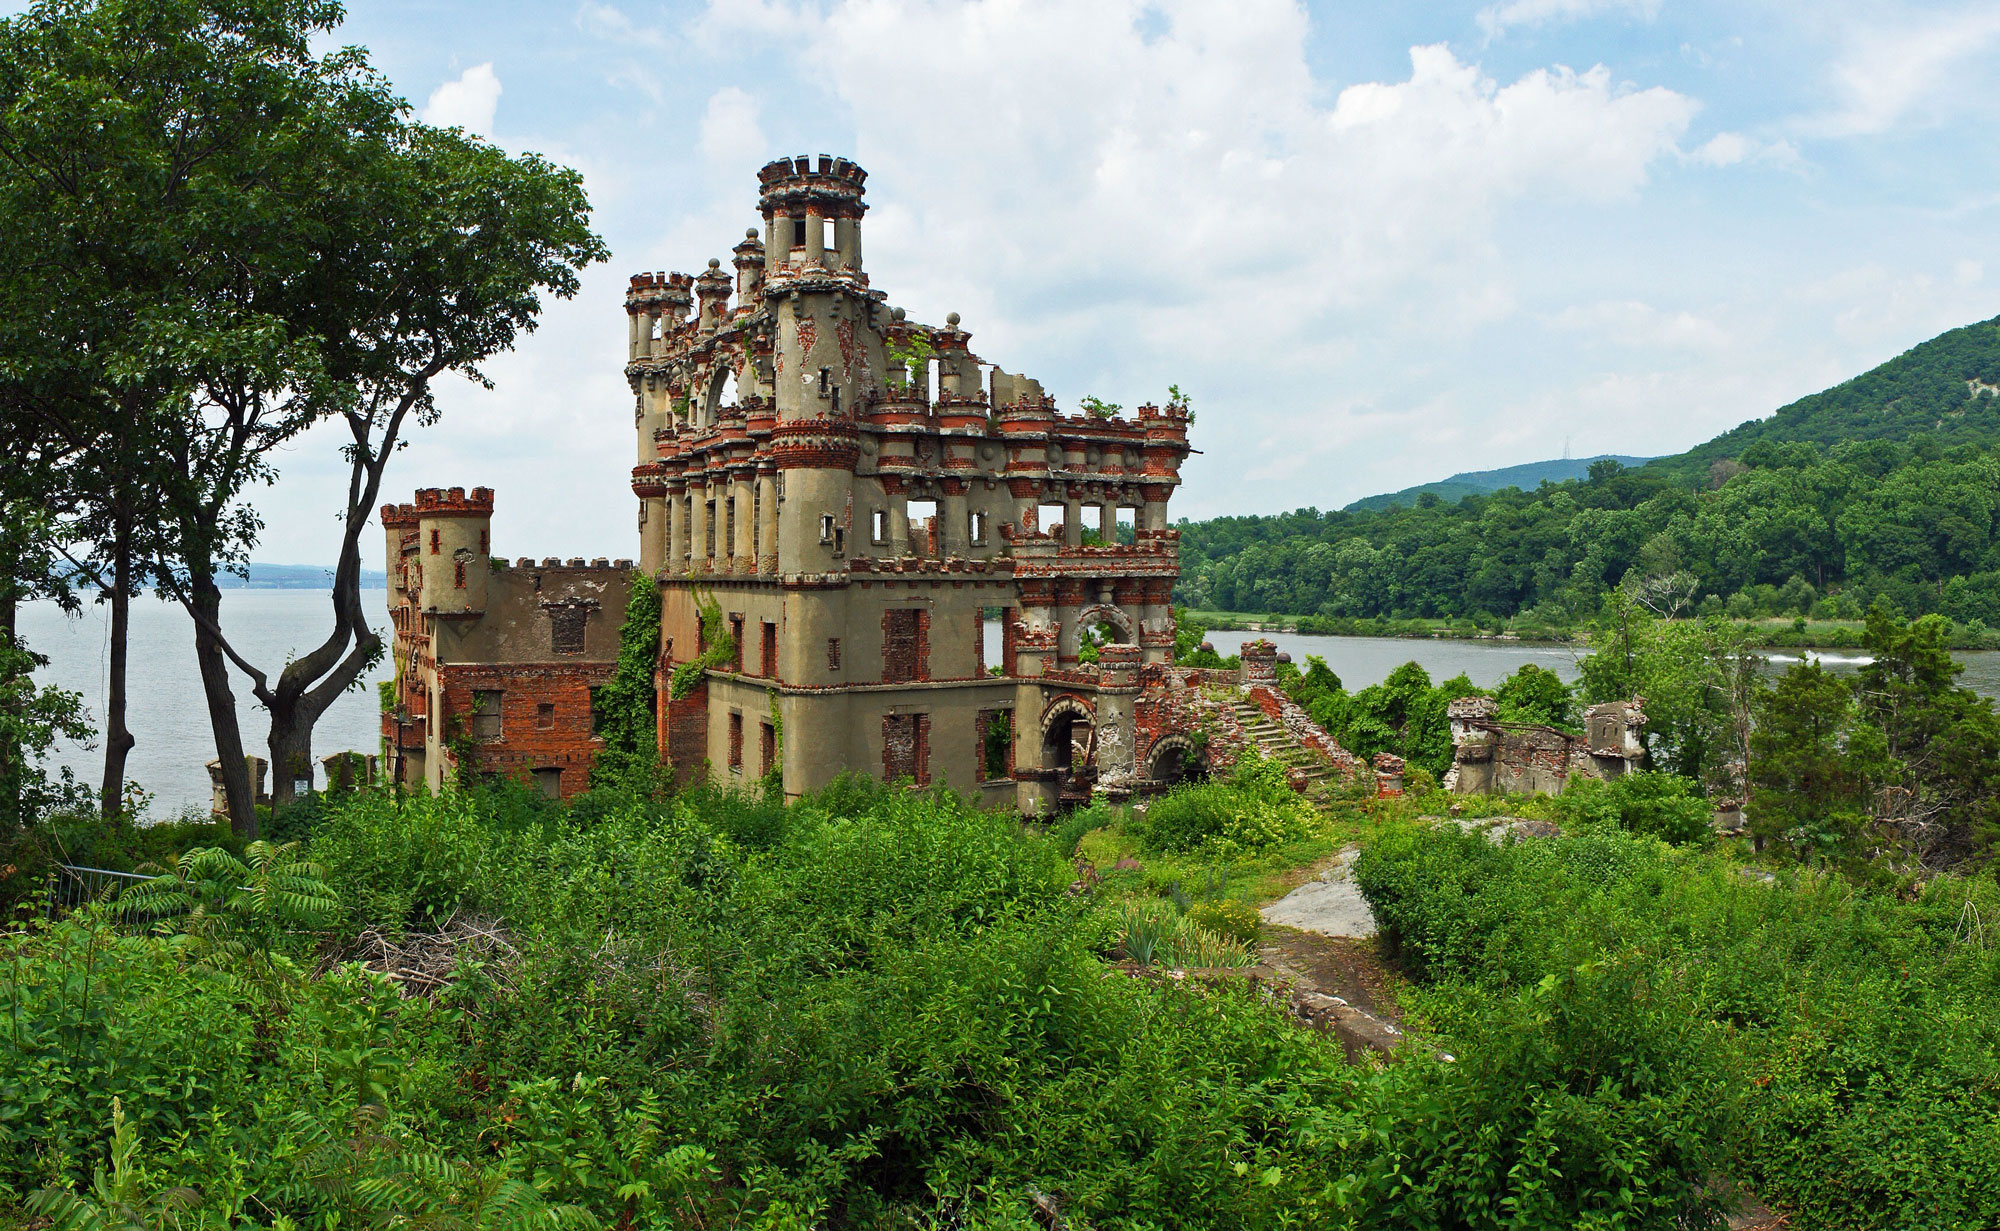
{"points": [[167, 713]]}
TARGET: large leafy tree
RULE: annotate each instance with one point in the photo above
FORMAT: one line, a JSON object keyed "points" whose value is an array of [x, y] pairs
{"points": [[266, 241]]}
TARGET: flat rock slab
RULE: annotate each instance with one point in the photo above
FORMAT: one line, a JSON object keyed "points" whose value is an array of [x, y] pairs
{"points": [[1330, 905]]}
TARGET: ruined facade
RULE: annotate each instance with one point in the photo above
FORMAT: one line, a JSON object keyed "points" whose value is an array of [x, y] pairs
{"points": [[1490, 757], [857, 494], [495, 663]]}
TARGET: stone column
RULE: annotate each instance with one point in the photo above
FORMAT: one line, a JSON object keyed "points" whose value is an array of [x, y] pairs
{"points": [[956, 532], [698, 557], [744, 484], [815, 240], [767, 525], [1072, 522], [652, 534], [899, 523]]}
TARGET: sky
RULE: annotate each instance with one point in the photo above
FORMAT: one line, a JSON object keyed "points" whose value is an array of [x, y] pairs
{"points": [[1376, 243]]}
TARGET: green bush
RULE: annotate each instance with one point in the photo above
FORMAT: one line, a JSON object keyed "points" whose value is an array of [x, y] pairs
{"points": [[1237, 921], [1844, 1040], [1254, 809], [1660, 805]]}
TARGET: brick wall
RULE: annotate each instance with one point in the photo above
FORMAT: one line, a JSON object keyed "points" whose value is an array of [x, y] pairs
{"points": [[906, 645], [544, 718], [687, 735]]}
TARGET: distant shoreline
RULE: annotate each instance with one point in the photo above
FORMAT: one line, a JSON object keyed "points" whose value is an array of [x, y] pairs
{"points": [[1767, 634]]}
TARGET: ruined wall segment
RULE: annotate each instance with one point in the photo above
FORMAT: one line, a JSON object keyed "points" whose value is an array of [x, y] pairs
{"points": [[495, 664]]}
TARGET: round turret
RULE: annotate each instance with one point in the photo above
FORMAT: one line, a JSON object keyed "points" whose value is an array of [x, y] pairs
{"points": [[798, 199], [453, 551]]}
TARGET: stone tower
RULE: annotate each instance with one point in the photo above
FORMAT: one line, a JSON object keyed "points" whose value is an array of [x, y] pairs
{"points": [[855, 497]]}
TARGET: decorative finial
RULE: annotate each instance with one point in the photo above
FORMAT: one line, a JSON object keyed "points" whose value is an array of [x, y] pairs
{"points": [[951, 319], [750, 232], [714, 263]]}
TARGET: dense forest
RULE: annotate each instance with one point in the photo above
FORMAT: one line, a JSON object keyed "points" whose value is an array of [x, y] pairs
{"points": [[1885, 486]]}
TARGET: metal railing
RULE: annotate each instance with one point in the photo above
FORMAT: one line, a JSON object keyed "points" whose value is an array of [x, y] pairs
{"points": [[73, 887]]}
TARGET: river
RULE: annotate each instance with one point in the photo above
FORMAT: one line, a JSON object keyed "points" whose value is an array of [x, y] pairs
{"points": [[167, 714], [170, 720]]}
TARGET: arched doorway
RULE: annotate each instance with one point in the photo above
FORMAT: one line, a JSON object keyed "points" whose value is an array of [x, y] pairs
{"points": [[1174, 759], [1068, 748]]}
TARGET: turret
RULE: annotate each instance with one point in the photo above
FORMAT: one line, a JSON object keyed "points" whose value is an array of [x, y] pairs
{"points": [[712, 288], [397, 521], [749, 264], [800, 202], [650, 299], [453, 552]]}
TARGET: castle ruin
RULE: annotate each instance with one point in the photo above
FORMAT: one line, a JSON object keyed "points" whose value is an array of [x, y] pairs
{"points": [[835, 502]]}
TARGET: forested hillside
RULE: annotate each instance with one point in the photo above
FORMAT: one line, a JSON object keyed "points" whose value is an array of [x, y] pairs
{"points": [[1528, 475], [1887, 485]]}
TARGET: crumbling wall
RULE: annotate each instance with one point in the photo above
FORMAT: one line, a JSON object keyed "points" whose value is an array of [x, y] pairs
{"points": [[1490, 757]]}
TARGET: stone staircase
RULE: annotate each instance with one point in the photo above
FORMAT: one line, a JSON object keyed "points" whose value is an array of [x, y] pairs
{"points": [[1277, 743]]}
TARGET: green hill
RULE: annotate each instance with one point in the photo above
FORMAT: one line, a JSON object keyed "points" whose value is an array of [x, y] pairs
{"points": [[1948, 388], [1527, 476], [1884, 487]]}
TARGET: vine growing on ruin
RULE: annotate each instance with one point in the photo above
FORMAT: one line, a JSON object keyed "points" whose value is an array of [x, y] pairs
{"points": [[626, 705], [721, 648]]}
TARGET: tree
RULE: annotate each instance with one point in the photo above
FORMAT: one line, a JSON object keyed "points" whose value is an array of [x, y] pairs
{"points": [[272, 243], [1813, 763], [1943, 739]]}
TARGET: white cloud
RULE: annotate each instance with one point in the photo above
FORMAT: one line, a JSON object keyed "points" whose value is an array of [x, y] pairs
{"points": [[1909, 68], [1727, 149], [729, 129], [1631, 323], [607, 21], [1497, 19], [466, 102]]}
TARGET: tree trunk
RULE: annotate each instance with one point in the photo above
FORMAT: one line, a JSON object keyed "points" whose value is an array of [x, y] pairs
{"points": [[13, 762], [118, 739], [236, 784]]}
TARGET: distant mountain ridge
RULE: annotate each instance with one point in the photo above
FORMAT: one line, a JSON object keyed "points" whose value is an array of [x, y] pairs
{"points": [[1527, 476], [296, 577]]}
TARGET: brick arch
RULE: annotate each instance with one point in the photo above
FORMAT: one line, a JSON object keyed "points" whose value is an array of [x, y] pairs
{"points": [[1070, 705], [1110, 614], [1176, 742]]}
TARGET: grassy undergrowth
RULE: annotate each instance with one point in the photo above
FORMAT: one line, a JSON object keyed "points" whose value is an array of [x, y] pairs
{"points": [[873, 1008]]}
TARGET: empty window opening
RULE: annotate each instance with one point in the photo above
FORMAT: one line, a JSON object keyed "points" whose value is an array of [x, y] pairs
{"points": [[486, 715], [825, 381], [770, 647], [798, 232], [1050, 518], [833, 653], [545, 716], [736, 639], [923, 527], [996, 744], [880, 522], [979, 527], [826, 529], [1128, 524], [906, 748], [708, 528], [827, 234], [549, 783], [736, 741], [434, 541], [458, 573], [934, 378], [767, 748], [1092, 519], [729, 527]]}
